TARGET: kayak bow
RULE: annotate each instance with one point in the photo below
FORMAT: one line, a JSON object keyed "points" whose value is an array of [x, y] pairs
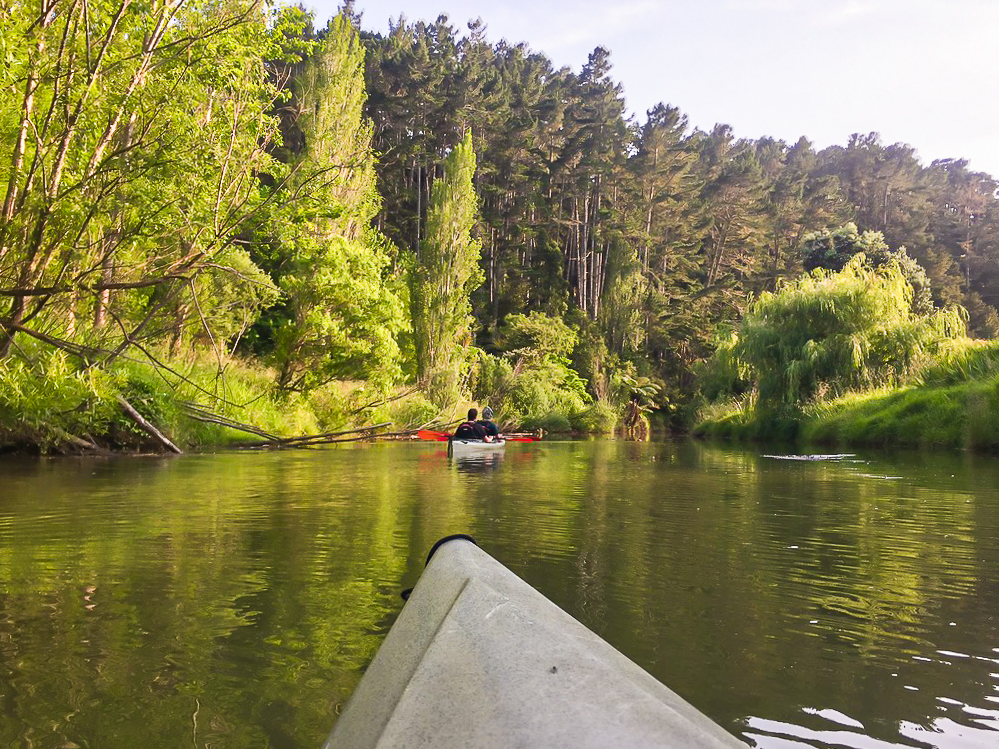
{"points": [[479, 659]]}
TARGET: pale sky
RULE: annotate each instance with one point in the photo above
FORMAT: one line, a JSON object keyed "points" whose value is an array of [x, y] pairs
{"points": [[922, 72]]}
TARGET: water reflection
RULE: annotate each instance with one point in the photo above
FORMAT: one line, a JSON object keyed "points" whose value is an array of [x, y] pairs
{"points": [[484, 463], [234, 600]]}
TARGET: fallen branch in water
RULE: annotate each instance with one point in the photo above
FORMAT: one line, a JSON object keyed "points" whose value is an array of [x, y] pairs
{"points": [[326, 438], [80, 443], [148, 428], [199, 413]]}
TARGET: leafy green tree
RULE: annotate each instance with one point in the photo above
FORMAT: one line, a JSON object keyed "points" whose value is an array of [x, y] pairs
{"points": [[732, 195], [536, 335], [339, 317], [444, 274], [131, 139], [828, 332], [797, 198], [965, 228]]}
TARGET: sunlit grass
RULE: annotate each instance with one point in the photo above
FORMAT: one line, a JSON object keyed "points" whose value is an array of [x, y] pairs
{"points": [[965, 415], [953, 401]]}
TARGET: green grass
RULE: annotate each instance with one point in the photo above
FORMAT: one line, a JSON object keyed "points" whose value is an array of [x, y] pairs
{"points": [[952, 401], [50, 403], [961, 415], [964, 415]]}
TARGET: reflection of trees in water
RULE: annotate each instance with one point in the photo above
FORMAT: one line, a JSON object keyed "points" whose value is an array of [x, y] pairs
{"points": [[247, 593], [234, 603]]}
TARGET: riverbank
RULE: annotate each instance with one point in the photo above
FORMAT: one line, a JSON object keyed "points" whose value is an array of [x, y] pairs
{"points": [[952, 403], [56, 405]]}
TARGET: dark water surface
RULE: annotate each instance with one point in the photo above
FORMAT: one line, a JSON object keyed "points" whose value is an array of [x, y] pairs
{"points": [[234, 600]]}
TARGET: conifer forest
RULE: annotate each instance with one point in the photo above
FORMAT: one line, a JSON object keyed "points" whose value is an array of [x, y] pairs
{"points": [[220, 215]]}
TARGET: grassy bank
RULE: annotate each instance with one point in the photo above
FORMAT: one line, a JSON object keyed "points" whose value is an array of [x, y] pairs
{"points": [[51, 403], [54, 404], [952, 402]]}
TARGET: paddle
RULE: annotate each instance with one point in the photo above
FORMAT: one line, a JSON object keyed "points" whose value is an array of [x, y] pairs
{"points": [[426, 434]]}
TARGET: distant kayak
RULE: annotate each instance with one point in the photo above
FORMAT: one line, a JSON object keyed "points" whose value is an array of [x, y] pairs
{"points": [[466, 446], [478, 659]]}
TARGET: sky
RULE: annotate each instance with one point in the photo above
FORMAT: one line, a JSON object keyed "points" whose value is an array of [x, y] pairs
{"points": [[921, 72]]}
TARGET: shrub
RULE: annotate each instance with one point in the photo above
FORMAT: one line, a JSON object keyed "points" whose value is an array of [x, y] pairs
{"points": [[47, 398], [599, 418], [551, 422]]}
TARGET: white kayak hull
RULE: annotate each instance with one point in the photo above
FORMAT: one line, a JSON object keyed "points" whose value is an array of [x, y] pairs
{"points": [[460, 446], [478, 659]]}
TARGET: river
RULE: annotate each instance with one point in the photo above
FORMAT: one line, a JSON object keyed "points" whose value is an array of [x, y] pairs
{"points": [[234, 600]]}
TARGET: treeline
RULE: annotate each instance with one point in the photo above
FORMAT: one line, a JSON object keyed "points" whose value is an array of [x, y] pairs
{"points": [[647, 234], [182, 180], [189, 186]]}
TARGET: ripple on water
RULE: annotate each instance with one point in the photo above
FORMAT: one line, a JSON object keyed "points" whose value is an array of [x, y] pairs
{"points": [[837, 609]]}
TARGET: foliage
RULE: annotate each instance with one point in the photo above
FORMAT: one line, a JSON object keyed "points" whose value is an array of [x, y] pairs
{"points": [[47, 397], [340, 317], [725, 373], [597, 418], [952, 402], [960, 415], [832, 250], [131, 140], [50, 401], [961, 360], [549, 387], [218, 176], [445, 273], [539, 391], [535, 335], [829, 332]]}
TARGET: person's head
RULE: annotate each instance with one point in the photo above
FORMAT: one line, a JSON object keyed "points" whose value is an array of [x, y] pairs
{"points": [[473, 413], [487, 413]]}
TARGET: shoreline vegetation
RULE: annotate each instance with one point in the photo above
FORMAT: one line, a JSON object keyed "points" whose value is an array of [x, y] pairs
{"points": [[851, 358], [222, 226]]}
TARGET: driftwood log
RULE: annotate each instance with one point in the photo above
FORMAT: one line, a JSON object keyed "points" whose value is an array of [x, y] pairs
{"points": [[326, 438], [148, 428]]}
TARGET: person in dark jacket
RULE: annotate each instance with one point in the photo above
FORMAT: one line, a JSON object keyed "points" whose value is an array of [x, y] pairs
{"points": [[471, 429], [487, 423]]}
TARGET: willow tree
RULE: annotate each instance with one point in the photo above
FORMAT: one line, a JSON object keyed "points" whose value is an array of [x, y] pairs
{"points": [[829, 332], [445, 273]]}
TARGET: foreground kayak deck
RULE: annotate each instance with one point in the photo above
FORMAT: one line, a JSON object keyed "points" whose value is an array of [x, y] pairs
{"points": [[480, 659]]}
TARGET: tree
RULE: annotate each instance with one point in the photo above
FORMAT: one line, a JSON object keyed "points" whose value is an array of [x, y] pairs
{"points": [[339, 318], [130, 165], [833, 250], [828, 332], [445, 272]]}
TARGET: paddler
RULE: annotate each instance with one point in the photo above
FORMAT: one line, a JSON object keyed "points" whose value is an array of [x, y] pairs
{"points": [[487, 423], [470, 429]]}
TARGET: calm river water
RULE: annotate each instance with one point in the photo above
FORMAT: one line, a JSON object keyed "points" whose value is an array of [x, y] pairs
{"points": [[234, 600]]}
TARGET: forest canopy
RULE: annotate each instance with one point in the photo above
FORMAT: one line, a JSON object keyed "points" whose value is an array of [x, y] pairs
{"points": [[409, 208]]}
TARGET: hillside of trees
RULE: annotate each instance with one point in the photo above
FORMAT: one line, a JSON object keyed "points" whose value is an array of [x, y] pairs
{"points": [[350, 219], [649, 233]]}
